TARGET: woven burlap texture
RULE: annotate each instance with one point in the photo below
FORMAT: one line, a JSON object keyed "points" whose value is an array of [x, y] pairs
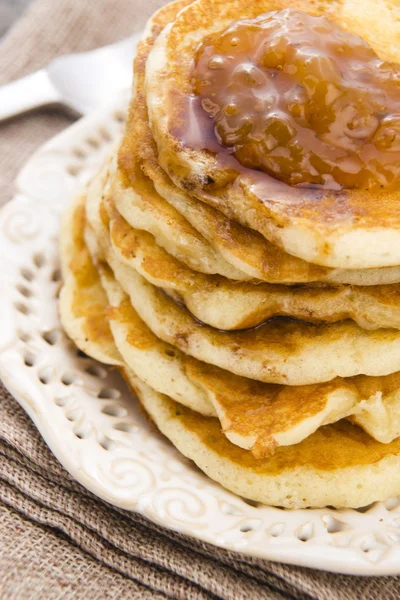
{"points": [[57, 541]]}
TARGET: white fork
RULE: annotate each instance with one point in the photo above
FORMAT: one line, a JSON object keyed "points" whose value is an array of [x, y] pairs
{"points": [[77, 81]]}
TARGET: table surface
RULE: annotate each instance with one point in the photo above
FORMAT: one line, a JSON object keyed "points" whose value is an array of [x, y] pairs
{"points": [[10, 10]]}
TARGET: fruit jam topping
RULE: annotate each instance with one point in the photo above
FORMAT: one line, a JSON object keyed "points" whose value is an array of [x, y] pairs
{"points": [[298, 97]]}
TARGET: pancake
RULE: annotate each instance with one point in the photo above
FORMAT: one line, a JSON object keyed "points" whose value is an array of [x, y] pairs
{"points": [[230, 305], [337, 228], [255, 416], [339, 465], [83, 301], [142, 204], [280, 351]]}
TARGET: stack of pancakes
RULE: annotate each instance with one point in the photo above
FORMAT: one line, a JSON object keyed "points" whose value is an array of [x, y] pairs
{"points": [[260, 333]]}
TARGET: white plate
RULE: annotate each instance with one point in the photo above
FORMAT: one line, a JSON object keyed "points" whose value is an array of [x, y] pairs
{"points": [[92, 423]]}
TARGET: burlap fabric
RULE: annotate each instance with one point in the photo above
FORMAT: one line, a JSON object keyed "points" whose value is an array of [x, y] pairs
{"points": [[57, 541]]}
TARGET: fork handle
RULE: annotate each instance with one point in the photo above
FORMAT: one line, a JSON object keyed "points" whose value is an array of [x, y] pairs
{"points": [[24, 94]]}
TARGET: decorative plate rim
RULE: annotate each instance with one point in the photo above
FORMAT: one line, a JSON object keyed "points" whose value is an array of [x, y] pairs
{"points": [[86, 415]]}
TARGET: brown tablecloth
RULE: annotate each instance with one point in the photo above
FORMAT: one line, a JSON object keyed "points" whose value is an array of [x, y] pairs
{"points": [[57, 541]]}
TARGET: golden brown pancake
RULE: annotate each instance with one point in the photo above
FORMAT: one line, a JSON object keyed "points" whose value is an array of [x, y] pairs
{"points": [[142, 203], [345, 228], [339, 465]]}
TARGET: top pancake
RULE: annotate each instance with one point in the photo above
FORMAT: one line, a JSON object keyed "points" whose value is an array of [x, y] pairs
{"points": [[193, 231], [354, 229]]}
